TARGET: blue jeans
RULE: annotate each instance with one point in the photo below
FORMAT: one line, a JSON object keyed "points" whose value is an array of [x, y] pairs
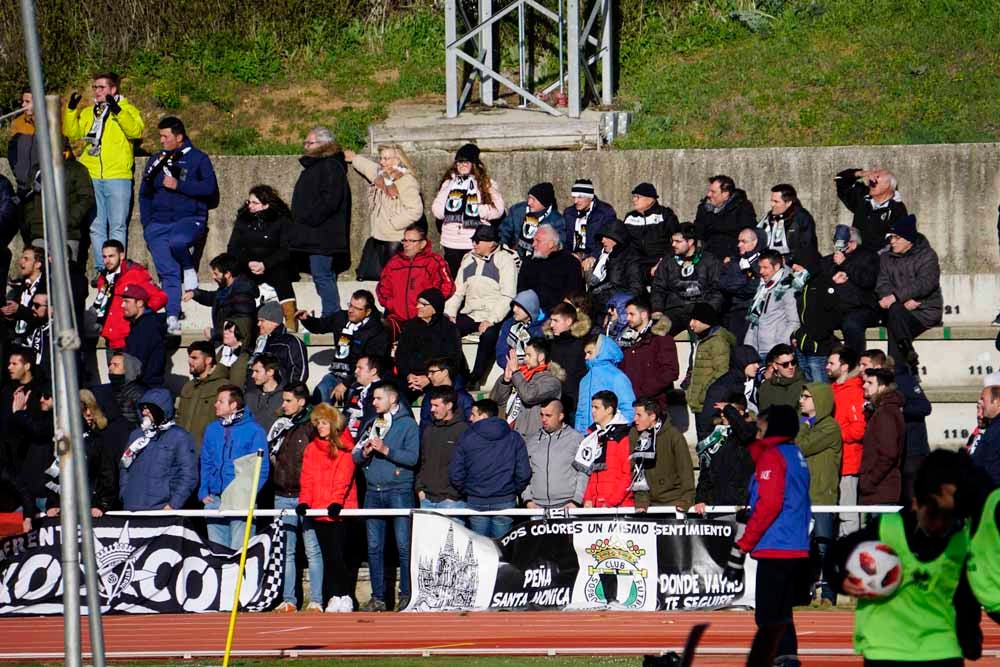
{"points": [[325, 280], [321, 394], [823, 535], [313, 554], [170, 245], [813, 367], [446, 505], [490, 526], [394, 498], [226, 531], [114, 200]]}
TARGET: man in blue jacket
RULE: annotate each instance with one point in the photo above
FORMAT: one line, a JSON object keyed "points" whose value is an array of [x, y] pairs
{"points": [[159, 469], [602, 357], [517, 231], [585, 219], [233, 435], [145, 339], [490, 468], [388, 451], [178, 189]]}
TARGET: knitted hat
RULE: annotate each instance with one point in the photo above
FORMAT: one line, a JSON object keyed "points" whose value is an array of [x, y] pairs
{"points": [[485, 233], [905, 228], [468, 153], [782, 421], [705, 313], [271, 312], [583, 188], [544, 193], [645, 190], [434, 297], [137, 292]]}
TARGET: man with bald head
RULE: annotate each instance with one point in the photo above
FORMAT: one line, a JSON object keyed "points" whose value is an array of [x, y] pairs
{"points": [[871, 195], [553, 272], [554, 481]]}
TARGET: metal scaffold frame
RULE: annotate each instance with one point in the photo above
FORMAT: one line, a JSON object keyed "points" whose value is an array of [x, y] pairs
{"points": [[579, 50]]}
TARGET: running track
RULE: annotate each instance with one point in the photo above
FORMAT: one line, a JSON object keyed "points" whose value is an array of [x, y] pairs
{"points": [[825, 637]]}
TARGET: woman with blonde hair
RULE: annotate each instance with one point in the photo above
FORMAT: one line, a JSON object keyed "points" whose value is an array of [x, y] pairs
{"points": [[327, 483], [394, 203], [467, 198], [105, 440]]}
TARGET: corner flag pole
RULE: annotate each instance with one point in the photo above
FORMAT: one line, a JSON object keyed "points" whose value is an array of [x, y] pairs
{"points": [[243, 557]]}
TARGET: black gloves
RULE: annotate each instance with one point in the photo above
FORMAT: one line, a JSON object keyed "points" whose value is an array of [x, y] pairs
{"points": [[301, 508], [74, 101], [333, 511], [113, 105]]}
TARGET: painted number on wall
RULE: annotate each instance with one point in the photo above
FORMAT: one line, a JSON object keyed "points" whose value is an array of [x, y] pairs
{"points": [[953, 433]]}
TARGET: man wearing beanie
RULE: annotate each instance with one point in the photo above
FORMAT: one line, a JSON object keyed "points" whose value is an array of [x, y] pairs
{"points": [[908, 289], [275, 340], [650, 225], [517, 231], [585, 220], [777, 532], [713, 345], [427, 336]]}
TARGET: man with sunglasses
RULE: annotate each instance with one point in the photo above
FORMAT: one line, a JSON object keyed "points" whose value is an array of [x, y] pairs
{"points": [[40, 333], [784, 386]]}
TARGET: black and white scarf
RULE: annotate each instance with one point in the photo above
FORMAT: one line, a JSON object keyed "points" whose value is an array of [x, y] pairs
{"points": [[233, 418], [27, 294], [230, 355], [96, 134], [379, 428], [102, 302], [580, 229], [600, 271], [355, 409], [774, 228], [340, 367], [36, 338], [517, 337], [149, 433], [644, 451], [276, 434], [532, 220], [591, 455], [630, 336], [462, 205]]}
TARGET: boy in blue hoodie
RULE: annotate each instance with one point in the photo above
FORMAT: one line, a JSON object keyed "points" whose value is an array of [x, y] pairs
{"points": [[603, 356]]}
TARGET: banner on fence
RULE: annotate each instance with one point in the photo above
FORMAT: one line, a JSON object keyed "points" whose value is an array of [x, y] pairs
{"points": [[145, 565], [628, 564]]}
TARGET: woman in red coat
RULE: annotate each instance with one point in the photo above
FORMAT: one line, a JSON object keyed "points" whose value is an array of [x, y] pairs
{"points": [[327, 482], [608, 458]]}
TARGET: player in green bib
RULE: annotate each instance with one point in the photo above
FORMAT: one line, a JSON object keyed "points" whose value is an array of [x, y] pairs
{"points": [[933, 618], [984, 557]]}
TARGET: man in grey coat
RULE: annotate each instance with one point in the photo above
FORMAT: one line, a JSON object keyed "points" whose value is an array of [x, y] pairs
{"points": [[523, 388], [908, 289], [551, 450], [773, 315]]}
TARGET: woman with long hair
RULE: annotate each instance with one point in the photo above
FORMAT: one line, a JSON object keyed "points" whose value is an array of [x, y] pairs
{"points": [[467, 198], [259, 243], [327, 483]]}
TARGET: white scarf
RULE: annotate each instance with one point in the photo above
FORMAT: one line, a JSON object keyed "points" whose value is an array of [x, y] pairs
{"points": [[379, 428], [233, 418], [149, 432], [630, 336], [774, 228], [601, 268], [96, 134], [645, 450], [590, 453], [229, 356]]}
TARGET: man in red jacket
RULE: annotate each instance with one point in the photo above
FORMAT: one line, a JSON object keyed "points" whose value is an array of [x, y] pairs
{"points": [[881, 479], [117, 274], [605, 455], [409, 272], [849, 411]]}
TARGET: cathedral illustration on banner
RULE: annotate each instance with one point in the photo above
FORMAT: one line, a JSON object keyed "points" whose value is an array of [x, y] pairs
{"points": [[448, 580]]}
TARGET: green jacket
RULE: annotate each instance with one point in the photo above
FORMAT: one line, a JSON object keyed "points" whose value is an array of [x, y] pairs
{"points": [[79, 204], [781, 391], [671, 474], [196, 403], [821, 444], [711, 361], [116, 156]]}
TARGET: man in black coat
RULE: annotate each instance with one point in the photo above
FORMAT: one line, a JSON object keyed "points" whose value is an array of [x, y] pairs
{"points": [[738, 282], [286, 347], [617, 269], [321, 214], [853, 270], [789, 228], [870, 194], [650, 224], [689, 276], [552, 271], [567, 330], [428, 335], [721, 215], [234, 301], [146, 339]]}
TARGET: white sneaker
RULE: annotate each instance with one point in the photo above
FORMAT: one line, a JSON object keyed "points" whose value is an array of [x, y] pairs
{"points": [[333, 606], [173, 325], [347, 605], [314, 606]]}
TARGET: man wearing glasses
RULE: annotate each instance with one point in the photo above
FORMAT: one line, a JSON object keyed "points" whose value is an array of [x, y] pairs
{"points": [[784, 386], [412, 270], [40, 334]]}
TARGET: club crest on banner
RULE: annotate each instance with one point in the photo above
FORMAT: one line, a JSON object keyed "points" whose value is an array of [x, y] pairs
{"points": [[116, 566], [618, 576]]}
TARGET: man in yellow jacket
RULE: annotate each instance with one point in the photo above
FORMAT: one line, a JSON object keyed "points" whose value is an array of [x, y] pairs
{"points": [[108, 127]]}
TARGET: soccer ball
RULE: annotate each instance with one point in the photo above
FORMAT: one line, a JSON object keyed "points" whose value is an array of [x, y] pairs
{"points": [[875, 567]]}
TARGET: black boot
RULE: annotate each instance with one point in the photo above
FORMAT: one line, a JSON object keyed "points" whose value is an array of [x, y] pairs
{"points": [[909, 354]]}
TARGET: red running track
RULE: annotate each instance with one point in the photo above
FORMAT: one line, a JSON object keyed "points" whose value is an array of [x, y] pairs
{"points": [[824, 637]]}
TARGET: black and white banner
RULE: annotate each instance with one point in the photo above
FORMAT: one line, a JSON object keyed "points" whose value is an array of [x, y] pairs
{"points": [[634, 564], [145, 565]]}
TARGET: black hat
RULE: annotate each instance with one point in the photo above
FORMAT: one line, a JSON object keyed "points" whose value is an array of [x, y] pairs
{"points": [[468, 153], [616, 231], [645, 190], [782, 422], [905, 227], [485, 233], [434, 297], [544, 193], [705, 313]]}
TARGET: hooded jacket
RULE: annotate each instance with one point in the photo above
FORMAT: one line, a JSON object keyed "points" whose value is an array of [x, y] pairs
{"points": [[711, 361], [554, 480], [884, 447], [671, 474], [396, 470], [820, 442], [370, 338], [197, 189], [326, 479], [720, 230], [490, 463], [599, 215], [819, 314], [261, 237], [437, 448], [734, 379], [567, 351], [849, 411], [222, 445], [542, 387], [553, 278], [915, 274], [116, 328], [291, 354], [528, 301], [421, 341], [287, 465], [726, 481], [390, 216], [484, 286], [321, 205], [623, 267], [120, 130], [236, 302], [671, 290], [403, 279], [780, 390], [196, 404], [80, 204], [166, 471], [650, 233], [513, 228], [779, 501], [651, 362], [873, 220], [147, 342], [612, 487], [603, 373]]}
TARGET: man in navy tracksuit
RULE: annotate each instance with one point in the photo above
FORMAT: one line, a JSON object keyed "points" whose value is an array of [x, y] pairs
{"points": [[178, 189], [777, 532]]}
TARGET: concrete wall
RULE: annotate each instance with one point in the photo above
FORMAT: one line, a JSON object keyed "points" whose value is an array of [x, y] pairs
{"points": [[953, 189]]}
